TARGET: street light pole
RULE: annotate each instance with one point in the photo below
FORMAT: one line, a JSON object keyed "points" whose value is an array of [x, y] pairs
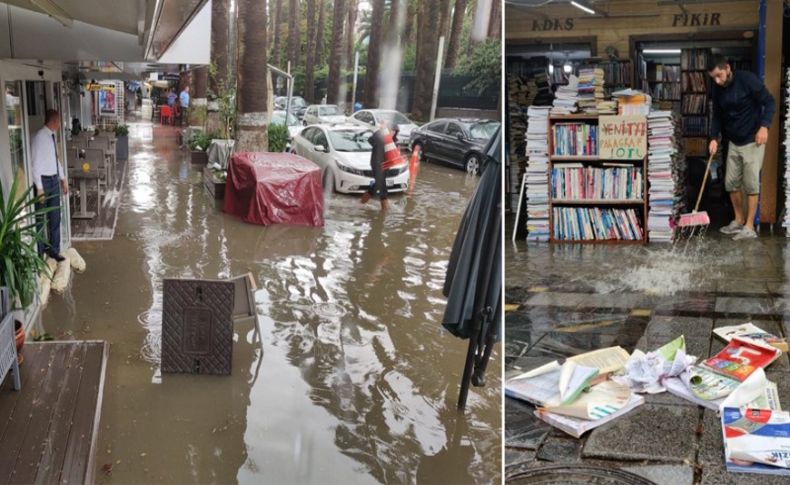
{"points": [[354, 84], [437, 78]]}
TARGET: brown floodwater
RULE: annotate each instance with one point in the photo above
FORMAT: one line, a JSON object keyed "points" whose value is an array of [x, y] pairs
{"points": [[353, 380]]}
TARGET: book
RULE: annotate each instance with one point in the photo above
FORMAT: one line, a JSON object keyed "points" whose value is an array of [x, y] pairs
{"points": [[764, 394], [750, 331], [551, 384], [741, 357], [756, 440], [601, 401], [577, 427]]}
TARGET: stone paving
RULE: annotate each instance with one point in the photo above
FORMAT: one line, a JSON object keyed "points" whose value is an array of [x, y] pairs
{"points": [[570, 299]]}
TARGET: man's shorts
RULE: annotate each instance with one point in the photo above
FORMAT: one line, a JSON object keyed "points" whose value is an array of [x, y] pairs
{"points": [[743, 168]]}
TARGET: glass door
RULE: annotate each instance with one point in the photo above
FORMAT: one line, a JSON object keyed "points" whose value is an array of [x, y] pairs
{"points": [[17, 131], [57, 101]]}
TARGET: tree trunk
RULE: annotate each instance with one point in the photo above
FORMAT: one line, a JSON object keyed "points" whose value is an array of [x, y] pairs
{"points": [[374, 55], [198, 103], [219, 45], [353, 5], [320, 31], [444, 19], [253, 94], [495, 21], [294, 16], [278, 31], [309, 67], [426, 62], [408, 27], [336, 52], [393, 34], [455, 34]]}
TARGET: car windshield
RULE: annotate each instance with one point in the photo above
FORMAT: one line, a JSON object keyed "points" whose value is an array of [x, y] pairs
{"points": [[393, 117], [297, 102], [482, 130], [350, 140], [328, 111], [278, 118]]}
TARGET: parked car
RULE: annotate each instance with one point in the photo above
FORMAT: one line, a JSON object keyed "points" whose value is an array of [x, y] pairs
{"points": [[294, 126], [459, 142], [343, 153], [317, 114], [374, 117], [298, 105]]}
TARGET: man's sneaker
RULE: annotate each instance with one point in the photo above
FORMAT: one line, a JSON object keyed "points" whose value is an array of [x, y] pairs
{"points": [[745, 233], [731, 228]]}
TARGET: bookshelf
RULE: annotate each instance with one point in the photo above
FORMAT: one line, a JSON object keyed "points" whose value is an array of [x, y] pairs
{"points": [[695, 101], [602, 191]]}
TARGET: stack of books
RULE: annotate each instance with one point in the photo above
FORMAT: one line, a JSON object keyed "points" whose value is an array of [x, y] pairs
{"points": [[607, 107], [662, 142], [786, 221], [595, 223], [591, 92], [537, 173], [566, 97], [517, 149], [632, 102]]}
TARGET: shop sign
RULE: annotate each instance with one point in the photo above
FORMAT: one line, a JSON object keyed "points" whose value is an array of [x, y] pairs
{"points": [[99, 87], [696, 19], [622, 137], [552, 24]]}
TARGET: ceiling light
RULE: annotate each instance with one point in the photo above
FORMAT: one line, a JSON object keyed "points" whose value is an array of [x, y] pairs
{"points": [[551, 68], [55, 11], [661, 51], [583, 7], [567, 68]]}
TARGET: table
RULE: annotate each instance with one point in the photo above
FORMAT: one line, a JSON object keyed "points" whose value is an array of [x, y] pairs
{"points": [[219, 152], [83, 178]]}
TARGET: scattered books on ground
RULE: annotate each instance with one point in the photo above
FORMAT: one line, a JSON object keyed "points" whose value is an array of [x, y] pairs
{"points": [[741, 357], [750, 331], [756, 440]]}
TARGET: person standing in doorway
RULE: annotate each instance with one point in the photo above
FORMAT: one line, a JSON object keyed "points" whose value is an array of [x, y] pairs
{"points": [[49, 179], [171, 99], [742, 113], [183, 99]]}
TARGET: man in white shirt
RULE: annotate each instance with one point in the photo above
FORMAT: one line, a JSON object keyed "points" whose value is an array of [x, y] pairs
{"points": [[49, 179]]}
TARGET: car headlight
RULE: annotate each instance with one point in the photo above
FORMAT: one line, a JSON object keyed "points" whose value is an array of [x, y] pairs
{"points": [[347, 169]]}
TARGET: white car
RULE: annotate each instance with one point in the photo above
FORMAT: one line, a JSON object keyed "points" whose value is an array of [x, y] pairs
{"points": [[343, 153], [318, 114], [374, 117], [294, 127]]}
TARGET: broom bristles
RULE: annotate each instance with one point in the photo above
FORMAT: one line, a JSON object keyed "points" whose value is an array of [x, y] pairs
{"points": [[694, 219]]}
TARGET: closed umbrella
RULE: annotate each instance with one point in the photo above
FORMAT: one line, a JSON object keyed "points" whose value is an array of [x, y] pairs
{"points": [[473, 285]]}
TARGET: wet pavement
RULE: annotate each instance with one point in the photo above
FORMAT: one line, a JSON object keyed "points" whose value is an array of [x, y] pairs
{"points": [[571, 298], [353, 381]]}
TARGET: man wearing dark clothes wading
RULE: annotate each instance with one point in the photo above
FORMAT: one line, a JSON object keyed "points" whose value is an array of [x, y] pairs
{"points": [[379, 141], [742, 112]]}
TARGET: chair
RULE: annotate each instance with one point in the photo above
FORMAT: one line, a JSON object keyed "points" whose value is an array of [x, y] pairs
{"points": [[97, 161], [165, 113], [103, 143]]}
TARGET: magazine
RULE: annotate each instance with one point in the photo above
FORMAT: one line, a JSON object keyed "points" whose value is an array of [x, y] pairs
{"points": [[750, 331], [742, 357], [756, 440]]}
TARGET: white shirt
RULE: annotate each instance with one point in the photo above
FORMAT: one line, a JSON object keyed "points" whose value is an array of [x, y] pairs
{"points": [[44, 156]]}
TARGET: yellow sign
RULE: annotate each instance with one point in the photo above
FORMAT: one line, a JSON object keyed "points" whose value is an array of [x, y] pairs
{"points": [[86, 167], [99, 87], [622, 137]]}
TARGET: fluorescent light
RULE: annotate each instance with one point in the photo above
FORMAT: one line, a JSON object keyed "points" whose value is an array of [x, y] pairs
{"points": [[583, 7], [551, 68], [55, 11], [567, 68], [661, 51]]}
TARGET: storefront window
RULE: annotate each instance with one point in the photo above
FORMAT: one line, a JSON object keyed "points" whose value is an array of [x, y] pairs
{"points": [[13, 104]]}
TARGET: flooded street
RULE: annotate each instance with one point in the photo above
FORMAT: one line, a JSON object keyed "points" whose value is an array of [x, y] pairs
{"points": [[353, 380]]}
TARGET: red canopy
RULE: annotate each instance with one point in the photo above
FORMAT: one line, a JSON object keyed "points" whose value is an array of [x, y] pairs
{"points": [[274, 188]]}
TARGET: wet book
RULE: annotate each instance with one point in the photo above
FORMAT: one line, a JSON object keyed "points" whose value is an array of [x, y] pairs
{"points": [[750, 331], [756, 440], [576, 427], [740, 358]]}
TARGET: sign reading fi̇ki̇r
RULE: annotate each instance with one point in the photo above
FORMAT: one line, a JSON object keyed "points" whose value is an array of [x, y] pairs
{"points": [[622, 137]]}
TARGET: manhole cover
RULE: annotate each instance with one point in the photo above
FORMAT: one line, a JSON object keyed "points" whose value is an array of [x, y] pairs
{"points": [[565, 475], [329, 310]]}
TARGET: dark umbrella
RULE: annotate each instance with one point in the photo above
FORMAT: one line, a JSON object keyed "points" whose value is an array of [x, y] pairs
{"points": [[473, 286]]}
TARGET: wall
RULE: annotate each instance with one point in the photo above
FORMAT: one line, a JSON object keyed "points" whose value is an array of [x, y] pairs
{"points": [[626, 18]]}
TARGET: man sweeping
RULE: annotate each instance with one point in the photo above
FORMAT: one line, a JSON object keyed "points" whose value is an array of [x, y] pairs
{"points": [[742, 112]]}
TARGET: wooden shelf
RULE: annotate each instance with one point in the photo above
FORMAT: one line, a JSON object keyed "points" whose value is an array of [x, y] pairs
{"points": [[580, 116], [597, 201], [574, 158]]}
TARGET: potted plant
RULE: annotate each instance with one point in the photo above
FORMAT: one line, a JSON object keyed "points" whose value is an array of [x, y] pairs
{"points": [[21, 264], [278, 137], [121, 142], [198, 145]]}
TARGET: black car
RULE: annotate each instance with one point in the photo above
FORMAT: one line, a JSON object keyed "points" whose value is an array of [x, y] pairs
{"points": [[298, 105], [459, 142]]}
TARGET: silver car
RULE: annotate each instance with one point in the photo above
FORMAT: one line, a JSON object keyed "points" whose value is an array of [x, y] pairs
{"points": [[321, 114], [375, 117]]}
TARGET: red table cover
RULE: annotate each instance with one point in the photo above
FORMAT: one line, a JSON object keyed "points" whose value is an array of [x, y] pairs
{"points": [[274, 188]]}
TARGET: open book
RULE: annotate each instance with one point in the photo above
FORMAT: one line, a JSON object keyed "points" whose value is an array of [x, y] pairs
{"points": [[750, 331], [577, 427]]}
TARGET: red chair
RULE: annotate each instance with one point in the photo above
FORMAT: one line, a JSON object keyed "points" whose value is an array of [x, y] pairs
{"points": [[165, 113]]}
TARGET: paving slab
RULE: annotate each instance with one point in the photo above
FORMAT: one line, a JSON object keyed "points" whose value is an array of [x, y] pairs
{"points": [[728, 285], [516, 456], [523, 430], [557, 299], [750, 306], [556, 449], [664, 474], [667, 326], [650, 432]]}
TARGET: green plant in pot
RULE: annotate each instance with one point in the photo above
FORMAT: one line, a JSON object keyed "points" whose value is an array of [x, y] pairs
{"points": [[121, 142], [20, 263]]}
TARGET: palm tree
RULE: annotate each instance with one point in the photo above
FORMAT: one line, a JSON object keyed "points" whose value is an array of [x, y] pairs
{"points": [[309, 68], [428, 44], [374, 54], [219, 44], [252, 100], [320, 31], [495, 21], [352, 7], [393, 33], [444, 18], [336, 53], [455, 34], [278, 30], [294, 16], [408, 27]]}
